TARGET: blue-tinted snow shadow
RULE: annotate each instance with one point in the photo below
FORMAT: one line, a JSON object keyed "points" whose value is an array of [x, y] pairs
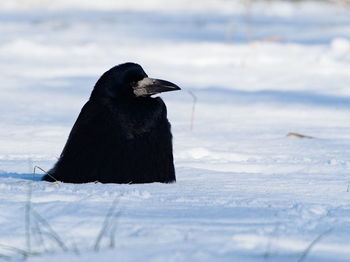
{"points": [[222, 95], [23, 176]]}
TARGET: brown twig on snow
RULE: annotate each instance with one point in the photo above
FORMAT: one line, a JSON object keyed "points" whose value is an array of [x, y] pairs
{"points": [[299, 135]]}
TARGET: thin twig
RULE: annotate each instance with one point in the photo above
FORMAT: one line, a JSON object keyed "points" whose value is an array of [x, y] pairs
{"points": [[312, 244]]}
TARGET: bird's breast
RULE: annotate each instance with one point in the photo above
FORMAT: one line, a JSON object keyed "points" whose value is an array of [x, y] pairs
{"points": [[140, 120]]}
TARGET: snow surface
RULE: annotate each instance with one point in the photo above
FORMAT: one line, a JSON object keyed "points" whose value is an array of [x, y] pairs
{"points": [[244, 191]]}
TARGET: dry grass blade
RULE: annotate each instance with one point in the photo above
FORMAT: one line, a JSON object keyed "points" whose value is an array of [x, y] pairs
{"points": [[38, 167], [51, 233], [113, 230], [27, 217], [20, 251], [47, 173], [193, 107], [106, 224], [312, 244], [75, 248], [299, 135], [39, 235]]}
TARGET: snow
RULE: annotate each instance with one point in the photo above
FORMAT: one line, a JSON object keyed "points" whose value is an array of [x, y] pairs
{"points": [[245, 191]]}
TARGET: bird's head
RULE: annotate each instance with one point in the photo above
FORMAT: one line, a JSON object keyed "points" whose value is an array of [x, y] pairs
{"points": [[129, 81]]}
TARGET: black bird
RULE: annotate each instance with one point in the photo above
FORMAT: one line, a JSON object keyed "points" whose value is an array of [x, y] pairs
{"points": [[122, 134]]}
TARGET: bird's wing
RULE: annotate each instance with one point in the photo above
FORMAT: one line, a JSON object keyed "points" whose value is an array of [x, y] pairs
{"points": [[85, 151], [85, 129]]}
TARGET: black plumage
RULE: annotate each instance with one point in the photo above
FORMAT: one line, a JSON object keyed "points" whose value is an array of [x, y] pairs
{"points": [[122, 134]]}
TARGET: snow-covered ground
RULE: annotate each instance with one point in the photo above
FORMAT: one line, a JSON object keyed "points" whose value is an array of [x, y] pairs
{"points": [[244, 192]]}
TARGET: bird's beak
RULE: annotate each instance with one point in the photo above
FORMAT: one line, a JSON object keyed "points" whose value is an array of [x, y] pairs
{"points": [[150, 86]]}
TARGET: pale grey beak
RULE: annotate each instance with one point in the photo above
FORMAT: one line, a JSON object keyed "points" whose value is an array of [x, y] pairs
{"points": [[149, 86]]}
